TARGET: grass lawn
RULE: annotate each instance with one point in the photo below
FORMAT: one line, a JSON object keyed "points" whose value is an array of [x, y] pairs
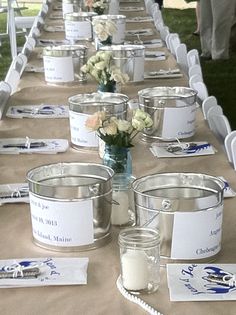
{"points": [[219, 76]]}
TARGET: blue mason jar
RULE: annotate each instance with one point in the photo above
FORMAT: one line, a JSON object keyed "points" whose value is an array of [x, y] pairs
{"points": [[118, 158]]}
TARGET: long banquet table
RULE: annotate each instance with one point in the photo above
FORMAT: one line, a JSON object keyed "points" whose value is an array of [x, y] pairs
{"points": [[100, 295]]}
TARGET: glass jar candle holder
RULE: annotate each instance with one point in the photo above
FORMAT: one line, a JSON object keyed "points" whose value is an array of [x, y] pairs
{"points": [[140, 259], [123, 200]]}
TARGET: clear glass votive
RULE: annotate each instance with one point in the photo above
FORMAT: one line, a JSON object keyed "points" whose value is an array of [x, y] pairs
{"points": [[123, 213], [140, 259]]}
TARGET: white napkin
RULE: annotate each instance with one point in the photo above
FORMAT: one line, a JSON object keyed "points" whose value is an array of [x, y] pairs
{"points": [[55, 16], [130, 9], [26, 145], [53, 271], [10, 193], [38, 111], [128, 1], [162, 150], [191, 282]]}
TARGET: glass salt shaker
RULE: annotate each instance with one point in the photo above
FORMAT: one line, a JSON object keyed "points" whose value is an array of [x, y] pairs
{"points": [[140, 259], [123, 213]]}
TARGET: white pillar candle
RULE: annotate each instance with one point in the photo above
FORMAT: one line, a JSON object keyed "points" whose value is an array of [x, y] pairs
{"points": [[134, 270], [120, 213]]}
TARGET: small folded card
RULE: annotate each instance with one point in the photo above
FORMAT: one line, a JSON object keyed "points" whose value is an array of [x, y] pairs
{"points": [[32, 68], [55, 16], [131, 9], [201, 282], [154, 43], [183, 149], [26, 145], [38, 111], [10, 193], [163, 74], [143, 32], [54, 28], [46, 42], [155, 55], [228, 191], [34, 272], [140, 19], [130, 1]]}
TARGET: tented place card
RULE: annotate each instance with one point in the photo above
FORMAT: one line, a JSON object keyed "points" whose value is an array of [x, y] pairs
{"points": [[38, 111], [54, 28], [155, 55], [27, 145], [143, 32], [32, 68], [56, 16], [138, 19], [186, 149], [10, 193], [228, 191], [131, 9], [45, 42], [34, 272], [163, 74], [201, 282]]}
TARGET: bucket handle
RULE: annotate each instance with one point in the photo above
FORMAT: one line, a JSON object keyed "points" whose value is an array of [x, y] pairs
{"points": [[166, 206], [94, 189]]}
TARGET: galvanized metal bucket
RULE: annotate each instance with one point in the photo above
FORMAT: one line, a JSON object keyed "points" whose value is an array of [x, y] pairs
{"points": [[69, 6], [81, 106], [187, 209], [164, 104], [130, 60], [120, 20], [70, 205], [78, 26], [62, 64]]}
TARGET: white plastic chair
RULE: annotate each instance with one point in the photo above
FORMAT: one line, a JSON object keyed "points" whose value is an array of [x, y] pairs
{"points": [[215, 110], [5, 91], [181, 57], [220, 126], [209, 102], [201, 89], [174, 42], [228, 145], [233, 152], [164, 32], [195, 69], [195, 79], [193, 57]]}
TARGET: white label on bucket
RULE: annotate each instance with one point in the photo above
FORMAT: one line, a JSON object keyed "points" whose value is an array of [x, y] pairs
{"points": [[183, 127], [197, 235], [80, 135], [61, 223], [58, 69], [77, 30], [119, 36]]}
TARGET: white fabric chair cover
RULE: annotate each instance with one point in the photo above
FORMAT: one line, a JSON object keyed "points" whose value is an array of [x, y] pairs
{"points": [[193, 57], [195, 69], [209, 102], [228, 145], [220, 126]]}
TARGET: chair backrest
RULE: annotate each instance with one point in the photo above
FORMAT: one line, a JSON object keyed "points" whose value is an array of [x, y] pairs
{"points": [[228, 146], [181, 57], [157, 17], [220, 126], [215, 110], [5, 91], [233, 151], [195, 69], [13, 78], [174, 42], [148, 5], [209, 102], [164, 31], [201, 89], [194, 79], [193, 57]]}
